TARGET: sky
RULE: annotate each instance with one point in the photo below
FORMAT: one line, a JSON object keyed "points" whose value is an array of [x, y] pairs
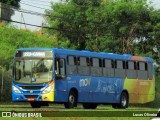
{"points": [[38, 20], [30, 18]]}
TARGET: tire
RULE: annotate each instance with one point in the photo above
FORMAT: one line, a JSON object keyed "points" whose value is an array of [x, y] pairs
{"points": [[115, 106], [35, 104], [124, 101], [90, 105], [72, 100], [44, 104]]}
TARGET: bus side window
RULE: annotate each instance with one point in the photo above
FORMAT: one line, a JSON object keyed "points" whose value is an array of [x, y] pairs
{"points": [[142, 71], [72, 68], [96, 67], [108, 68], [150, 71], [131, 70], [60, 68], [71, 60], [119, 69], [83, 65]]}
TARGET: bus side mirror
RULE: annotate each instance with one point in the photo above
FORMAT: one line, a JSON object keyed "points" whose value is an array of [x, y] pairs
{"points": [[7, 66]]}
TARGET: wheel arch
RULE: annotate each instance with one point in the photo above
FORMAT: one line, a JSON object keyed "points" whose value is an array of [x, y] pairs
{"points": [[126, 91], [75, 92]]}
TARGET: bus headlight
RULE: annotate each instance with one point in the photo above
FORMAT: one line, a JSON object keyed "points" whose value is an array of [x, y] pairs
{"points": [[16, 90], [48, 89]]}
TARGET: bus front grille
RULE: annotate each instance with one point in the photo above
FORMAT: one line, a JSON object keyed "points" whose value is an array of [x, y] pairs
{"points": [[31, 87]]}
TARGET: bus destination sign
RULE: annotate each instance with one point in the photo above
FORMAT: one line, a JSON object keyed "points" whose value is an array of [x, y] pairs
{"points": [[35, 54]]}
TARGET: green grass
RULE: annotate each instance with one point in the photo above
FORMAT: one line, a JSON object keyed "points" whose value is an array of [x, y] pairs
{"points": [[82, 118], [58, 109]]}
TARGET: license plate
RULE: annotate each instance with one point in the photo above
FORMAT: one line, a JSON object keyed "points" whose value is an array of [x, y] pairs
{"points": [[30, 99]]}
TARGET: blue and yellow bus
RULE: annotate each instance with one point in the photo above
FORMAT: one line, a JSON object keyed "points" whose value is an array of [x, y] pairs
{"points": [[44, 75]]}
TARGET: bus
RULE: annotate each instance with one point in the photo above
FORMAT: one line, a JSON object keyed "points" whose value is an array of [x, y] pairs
{"points": [[45, 75]]}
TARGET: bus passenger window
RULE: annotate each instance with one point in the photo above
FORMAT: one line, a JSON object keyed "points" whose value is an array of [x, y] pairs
{"points": [[83, 66], [108, 68], [150, 71], [83, 61], [142, 71], [146, 66], [142, 66], [72, 62], [119, 64], [119, 69], [96, 67], [131, 70]]}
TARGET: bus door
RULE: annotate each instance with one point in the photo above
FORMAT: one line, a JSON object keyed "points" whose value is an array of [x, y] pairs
{"points": [[60, 79]]}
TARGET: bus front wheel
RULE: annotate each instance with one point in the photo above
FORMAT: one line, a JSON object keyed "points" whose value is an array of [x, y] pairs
{"points": [[35, 104], [71, 100]]}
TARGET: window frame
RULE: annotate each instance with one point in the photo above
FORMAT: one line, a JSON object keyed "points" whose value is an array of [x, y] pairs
{"points": [[58, 75]]}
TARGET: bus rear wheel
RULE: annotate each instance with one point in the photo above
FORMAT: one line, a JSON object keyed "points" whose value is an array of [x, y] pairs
{"points": [[72, 100], [89, 105], [124, 101]]}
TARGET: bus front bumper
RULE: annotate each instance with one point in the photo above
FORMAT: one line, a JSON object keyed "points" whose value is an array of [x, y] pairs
{"points": [[33, 97]]}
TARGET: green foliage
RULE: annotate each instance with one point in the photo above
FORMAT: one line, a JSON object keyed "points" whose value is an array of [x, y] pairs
{"points": [[11, 2], [114, 26], [5, 11], [12, 38]]}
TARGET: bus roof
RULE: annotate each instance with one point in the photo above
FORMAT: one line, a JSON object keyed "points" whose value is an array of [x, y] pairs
{"points": [[87, 53]]}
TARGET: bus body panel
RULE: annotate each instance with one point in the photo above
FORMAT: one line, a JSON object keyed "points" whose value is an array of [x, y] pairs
{"points": [[91, 89], [96, 89], [61, 92]]}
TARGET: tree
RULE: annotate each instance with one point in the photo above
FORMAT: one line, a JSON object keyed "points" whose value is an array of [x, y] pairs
{"points": [[121, 26], [5, 8], [69, 20]]}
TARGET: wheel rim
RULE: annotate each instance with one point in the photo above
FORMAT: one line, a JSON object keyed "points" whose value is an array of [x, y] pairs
{"points": [[124, 101], [71, 99]]}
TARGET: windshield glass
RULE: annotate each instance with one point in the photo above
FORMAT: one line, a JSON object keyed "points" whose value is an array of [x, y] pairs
{"points": [[33, 70]]}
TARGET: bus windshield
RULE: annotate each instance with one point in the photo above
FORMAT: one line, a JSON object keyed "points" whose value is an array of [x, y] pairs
{"points": [[33, 70]]}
